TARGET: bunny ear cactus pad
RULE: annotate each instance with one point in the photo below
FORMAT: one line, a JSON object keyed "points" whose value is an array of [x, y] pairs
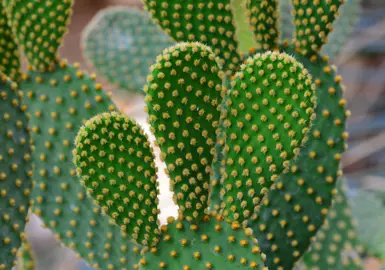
{"points": [[15, 166], [184, 94], [9, 53], [293, 211], [210, 244], [263, 18], [59, 101], [121, 43], [208, 22], [313, 22], [116, 165], [335, 245], [270, 109], [39, 27], [343, 26]]}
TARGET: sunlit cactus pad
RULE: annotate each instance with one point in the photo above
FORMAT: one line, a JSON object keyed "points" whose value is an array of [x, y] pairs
{"points": [[121, 43], [116, 163], [184, 95], [15, 171], [210, 244]]}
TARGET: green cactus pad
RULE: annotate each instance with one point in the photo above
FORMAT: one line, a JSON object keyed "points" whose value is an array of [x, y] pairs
{"points": [[211, 244], [335, 245], [58, 102], [116, 165], [9, 53], [368, 209], [39, 27], [121, 43], [343, 26], [270, 109], [26, 260], [313, 21], [204, 21], [15, 166], [184, 95], [263, 16], [295, 209]]}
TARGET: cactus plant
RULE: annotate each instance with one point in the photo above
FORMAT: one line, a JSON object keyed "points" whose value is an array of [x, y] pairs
{"points": [[268, 138], [15, 156], [343, 25], [336, 245], [15, 172], [188, 149], [58, 97], [121, 43]]}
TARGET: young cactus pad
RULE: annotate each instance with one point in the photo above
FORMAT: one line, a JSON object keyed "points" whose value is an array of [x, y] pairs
{"points": [[184, 94], [269, 111], [313, 22], [116, 163], [263, 17], [343, 26], [15, 166], [305, 189], [121, 43]]}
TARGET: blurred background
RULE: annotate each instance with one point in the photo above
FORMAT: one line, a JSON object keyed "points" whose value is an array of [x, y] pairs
{"points": [[362, 65]]}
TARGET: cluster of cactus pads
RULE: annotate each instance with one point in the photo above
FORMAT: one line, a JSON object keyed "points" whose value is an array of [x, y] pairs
{"points": [[279, 115], [121, 43]]}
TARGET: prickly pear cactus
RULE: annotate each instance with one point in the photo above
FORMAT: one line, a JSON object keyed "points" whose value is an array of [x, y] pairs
{"points": [[306, 186], [59, 98], [343, 25], [336, 245], [39, 27], [15, 171], [15, 152], [121, 43], [9, 52], [186, 135], [270, 133]]}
